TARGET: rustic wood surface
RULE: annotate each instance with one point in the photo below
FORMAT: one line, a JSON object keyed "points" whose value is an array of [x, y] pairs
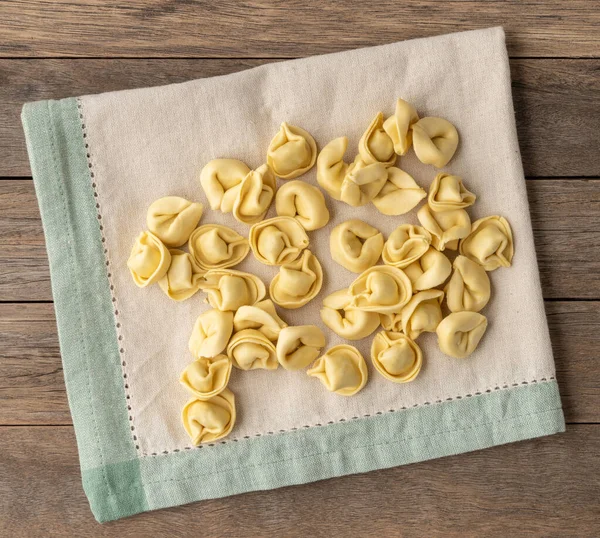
{"points": [[544, 487]]}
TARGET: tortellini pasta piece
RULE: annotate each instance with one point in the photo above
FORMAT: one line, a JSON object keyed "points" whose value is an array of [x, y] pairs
{"points": [[342, 370], [460, 333], [206, 377], [262, 317], [351, 324], [250, 349], [228, 289], [331, 167], [447, 192], [214, 246], [435, 141], [297, 282], [304, 202], [429, 271], [172, 219], [149, 260], [211, 333], [375, 145], [382, 289], [298, 346], [221, 179], [277, 241], [396, 357], [362, 182], [398, 127], [423, 313], [209, 420], [400, 193], [446, 227], [469, 287], [182, 279], [489, 243], [405, 245], [292, 152], [391, 322], [255, 195], [355, 245]]}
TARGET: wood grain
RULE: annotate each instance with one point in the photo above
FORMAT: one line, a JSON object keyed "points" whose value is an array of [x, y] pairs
{"points": [[555, 102], [34, 28], [543, 487]]}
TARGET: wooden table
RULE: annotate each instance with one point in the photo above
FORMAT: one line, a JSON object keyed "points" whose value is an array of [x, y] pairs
{"points": [[545, 487]]}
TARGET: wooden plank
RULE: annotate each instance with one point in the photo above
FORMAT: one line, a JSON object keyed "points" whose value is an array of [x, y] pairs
{"points": [[565, 214], [555, 103], [261, 28], [543, 487], [32, 387]]}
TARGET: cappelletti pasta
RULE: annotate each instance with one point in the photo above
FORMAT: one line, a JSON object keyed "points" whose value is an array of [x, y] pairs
{"points": [[211, 333], [261, 316], [149, 260], [331, 168], [250, 349], [399, 126], [375, 145], [182, 279], [489, 243], [382, 289], [172, 219], [423, 313], [460, 332], [292, 152], [209, 420], [221, 179], [405, 245], [255, 195], [362, 182], [342, 370], [304, 202], [396, 357], [351, 324], [228, 289], [298, 346], [429, 271], [355, 245], [277, 241], [447, 192], [206, 377], [469, 287], [435, 141], [399, 194], [297, 282], [445, 227], [214, 246]]}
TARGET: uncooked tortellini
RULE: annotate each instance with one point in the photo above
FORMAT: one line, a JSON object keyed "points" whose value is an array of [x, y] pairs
{"points": [[447, 192], [400, 193], [206, 377], [382, 289], [221, 179], [423, 313], [429, 271], [277, 241], [351, 324], [213, 246], [405, 245], [375, 145], [490, 243], [396, 357], [228, 289], [172, 219], [331, 168], [182, 279], [435, 140], [149, 260], [398, 126], [261, 316], [211, 333], [460, 332], [255, 195], [446, 227], [251, 350], [297, 282], [391, 322], [362, 182], [342, 370], [355, 245], [292, 152], [304, 202], [209, 420], [299, 345], [469, 287]]}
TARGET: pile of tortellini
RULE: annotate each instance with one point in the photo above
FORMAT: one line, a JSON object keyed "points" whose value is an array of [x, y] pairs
{"points": [[404, 295]]}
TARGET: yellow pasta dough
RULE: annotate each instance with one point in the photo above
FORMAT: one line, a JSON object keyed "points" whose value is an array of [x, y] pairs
{"points": [[331, 168], [429, 271], [405, 245], [277, 241], [446, 227], [183, 278], [228, 289], [172, 219], [399, 194], [423, 313], [255, 195], [435, 141], [398, 127], [262, 317], [355, 245], [209, 420], [149, 260], [297, 282], [362, 182], [469, 288], [489, 243], [221, 179], [391, 322], [299, 345], [206, 377], [460, 333], [304, 202], [250, 349], [292, 152], [211, 333], [396, 357], [342, 370], [382, 289], [375, 145], [447, 192], [351, 324], [213, 246]]}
